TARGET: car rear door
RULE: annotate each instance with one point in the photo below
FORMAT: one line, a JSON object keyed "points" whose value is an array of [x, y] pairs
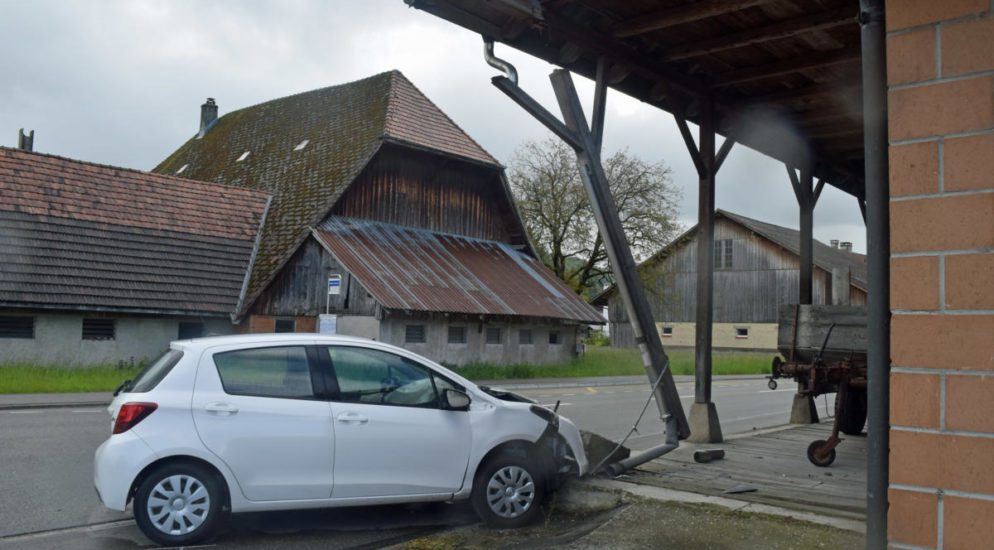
{"points": [[262, 411], [392, 436]]}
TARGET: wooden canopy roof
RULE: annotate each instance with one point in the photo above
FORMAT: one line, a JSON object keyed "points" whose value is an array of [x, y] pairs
{"points": [[784, 75]]}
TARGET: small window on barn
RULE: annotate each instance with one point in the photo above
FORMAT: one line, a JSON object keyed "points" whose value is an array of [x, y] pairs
{"points": [[495, 335], [741, 332], [717, 254], [457, 335], [300, 146], [414, 334], [98, 329], [190, 329], [554, 337], [667, 332], [525, 336], [182, 169], [12, 326], [285, 325], [728, 253], [243, 157]]}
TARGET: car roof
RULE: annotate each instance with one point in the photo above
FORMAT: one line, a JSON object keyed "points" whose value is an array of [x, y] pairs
{"points": [[265, 338]]}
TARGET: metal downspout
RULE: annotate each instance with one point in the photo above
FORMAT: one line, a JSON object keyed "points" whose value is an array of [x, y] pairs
{"points": [[876, 180]]}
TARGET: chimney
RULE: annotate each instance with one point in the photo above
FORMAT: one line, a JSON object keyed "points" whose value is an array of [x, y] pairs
{"points": [[847, 246], [835, 243], [25, 142], [208, 116]]}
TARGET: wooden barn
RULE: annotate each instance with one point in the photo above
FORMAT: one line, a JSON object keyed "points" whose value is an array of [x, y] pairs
{"points": [[387, 221], [756, 270]]}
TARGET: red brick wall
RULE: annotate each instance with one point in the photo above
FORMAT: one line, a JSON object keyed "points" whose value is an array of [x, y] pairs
{"points": [[940, 70]]}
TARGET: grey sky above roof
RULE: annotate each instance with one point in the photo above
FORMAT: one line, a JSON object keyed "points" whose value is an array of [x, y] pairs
{"points": [[121, 83]]}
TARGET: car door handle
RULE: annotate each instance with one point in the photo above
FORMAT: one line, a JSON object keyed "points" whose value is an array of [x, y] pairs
{"points": [[351, 418], [221, 409]]}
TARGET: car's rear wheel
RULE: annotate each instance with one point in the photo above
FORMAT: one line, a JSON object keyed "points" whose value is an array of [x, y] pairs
{"points": [[509, 490], [179, 504]]}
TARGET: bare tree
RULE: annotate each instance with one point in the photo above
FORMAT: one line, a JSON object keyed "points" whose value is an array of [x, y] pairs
{"points": [[547, 187]]}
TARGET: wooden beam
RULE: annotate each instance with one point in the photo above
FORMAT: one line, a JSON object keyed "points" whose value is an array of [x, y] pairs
{"points": [[679, 15], [805, 92], [788, 66], [766, 33], [726, 147], [600, 103]]}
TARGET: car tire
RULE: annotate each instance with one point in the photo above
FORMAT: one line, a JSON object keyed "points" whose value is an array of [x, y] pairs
{"points": [[179, 504], [509, 490]]}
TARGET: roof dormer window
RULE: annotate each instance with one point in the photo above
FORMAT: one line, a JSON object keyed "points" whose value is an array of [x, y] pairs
{"points": [[182, 169], [300, 146], [243, 157]]}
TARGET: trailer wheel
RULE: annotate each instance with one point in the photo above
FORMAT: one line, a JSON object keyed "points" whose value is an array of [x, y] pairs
{"points": [[853, 412], [820, 461], [772, 384]]}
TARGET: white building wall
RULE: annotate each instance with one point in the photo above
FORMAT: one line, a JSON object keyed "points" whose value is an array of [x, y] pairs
{"points": [[58, 340]]}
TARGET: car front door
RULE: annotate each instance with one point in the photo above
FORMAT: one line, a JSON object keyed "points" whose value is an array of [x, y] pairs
{"points": [[393, 438], [262, 411]]}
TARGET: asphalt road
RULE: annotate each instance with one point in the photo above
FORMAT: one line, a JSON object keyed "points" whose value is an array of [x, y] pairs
{"points": [[47, 498], [743, 406]]}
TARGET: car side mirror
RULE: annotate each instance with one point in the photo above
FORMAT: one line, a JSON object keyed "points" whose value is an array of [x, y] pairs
{"points": [[455, 400]]}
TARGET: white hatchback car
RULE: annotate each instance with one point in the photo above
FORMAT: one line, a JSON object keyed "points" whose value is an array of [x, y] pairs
{"points": [[285, 421]]}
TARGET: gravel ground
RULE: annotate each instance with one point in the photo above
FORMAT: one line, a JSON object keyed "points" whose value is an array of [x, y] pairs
{"points": [[627, 522]]}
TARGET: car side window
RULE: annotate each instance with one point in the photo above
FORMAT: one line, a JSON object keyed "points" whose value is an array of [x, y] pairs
{"points": [[266, 372], [377, 377]]}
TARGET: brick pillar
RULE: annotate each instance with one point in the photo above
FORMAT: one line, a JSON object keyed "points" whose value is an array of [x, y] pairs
{"points": [[941, 91]]}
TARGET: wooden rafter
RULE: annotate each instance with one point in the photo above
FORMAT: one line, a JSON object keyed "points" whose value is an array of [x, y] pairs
{"points": [[679, 15], [788, 66], [758, 35]]}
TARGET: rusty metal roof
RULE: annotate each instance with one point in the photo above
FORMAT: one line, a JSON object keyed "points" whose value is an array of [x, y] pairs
{"points": [[418, 270]]}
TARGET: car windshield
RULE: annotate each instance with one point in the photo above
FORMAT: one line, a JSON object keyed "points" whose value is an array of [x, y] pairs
{"points": [[154, 372]]}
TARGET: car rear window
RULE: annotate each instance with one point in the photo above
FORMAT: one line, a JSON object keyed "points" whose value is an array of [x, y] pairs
{"points": [[154, 372], [266, 372]]}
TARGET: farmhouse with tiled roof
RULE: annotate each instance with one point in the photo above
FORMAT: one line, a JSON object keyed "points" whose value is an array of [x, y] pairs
{"points": [[100, 264], [375, 187]]}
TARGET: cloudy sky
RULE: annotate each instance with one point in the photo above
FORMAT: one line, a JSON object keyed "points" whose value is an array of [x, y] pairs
{"points": [[121, 82]]}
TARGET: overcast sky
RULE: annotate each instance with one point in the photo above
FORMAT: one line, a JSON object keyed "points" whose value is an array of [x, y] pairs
{"points": [[121, 82]]}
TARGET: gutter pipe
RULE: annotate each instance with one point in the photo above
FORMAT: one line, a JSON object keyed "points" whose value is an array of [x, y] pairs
{"points": [[876, 178]]}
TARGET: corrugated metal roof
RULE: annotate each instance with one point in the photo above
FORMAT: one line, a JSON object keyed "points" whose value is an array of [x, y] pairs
{"points": [[77, 235], [419, 270]]}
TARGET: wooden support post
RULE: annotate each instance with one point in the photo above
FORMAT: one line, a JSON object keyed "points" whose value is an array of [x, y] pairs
{"points": [[615, 243], [705, 256], [806, 199]]}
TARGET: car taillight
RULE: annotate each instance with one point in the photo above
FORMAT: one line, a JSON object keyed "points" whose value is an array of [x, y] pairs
{"points": [[131, 414]]}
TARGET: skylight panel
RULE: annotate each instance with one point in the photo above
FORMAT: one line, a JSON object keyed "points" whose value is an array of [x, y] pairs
{"points": [[243, 157], [182, 169], [300, 146]]}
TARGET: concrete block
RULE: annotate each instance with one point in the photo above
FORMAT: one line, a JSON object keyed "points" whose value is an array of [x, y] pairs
{"points": [[704, 425], [803, 410]]}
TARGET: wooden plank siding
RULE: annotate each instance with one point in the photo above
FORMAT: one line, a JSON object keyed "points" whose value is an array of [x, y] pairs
{"points": [[427, 191], [301, 288], [763, 276]]}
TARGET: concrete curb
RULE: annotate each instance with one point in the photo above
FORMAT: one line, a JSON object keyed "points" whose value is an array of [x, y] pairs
{"points": [[65, 405], [669, 495]]}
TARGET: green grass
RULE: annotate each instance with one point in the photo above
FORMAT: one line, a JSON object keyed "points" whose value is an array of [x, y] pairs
{"points": [[605, 361], [599, 361], [20, 378]]}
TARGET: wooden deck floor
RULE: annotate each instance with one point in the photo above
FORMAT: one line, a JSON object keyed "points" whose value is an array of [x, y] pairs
{"points": [[776, 464]]}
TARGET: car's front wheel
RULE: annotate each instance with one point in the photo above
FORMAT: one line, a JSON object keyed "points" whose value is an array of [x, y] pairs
{"points": [[178, 504], [509, 490]]}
